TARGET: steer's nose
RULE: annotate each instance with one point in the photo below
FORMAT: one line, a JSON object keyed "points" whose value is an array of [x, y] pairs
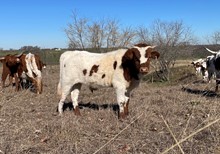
{"points": [[144, 70]]}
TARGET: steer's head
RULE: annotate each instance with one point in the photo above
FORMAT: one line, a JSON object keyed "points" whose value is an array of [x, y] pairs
{"points": [[11, 60], [136, 60]]}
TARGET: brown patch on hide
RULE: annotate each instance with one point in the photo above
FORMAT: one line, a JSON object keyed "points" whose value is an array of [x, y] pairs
{"points": [[103, 76], [84, 72], [94, 69], [39, 63], [146, 65], [115, 65], [155, 55], [148, 53], [131, 64]]}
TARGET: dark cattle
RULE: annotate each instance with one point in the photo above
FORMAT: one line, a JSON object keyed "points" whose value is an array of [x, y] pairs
{"points": [[213, 64], [10, 68]]}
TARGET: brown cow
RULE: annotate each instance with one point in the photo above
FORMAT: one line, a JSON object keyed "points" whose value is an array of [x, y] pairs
{"points": [[10, 67]]}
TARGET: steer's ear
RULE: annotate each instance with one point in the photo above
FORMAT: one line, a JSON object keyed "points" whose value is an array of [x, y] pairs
{"points": [[155, 54]]}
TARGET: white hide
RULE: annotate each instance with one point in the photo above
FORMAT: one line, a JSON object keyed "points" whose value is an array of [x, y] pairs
{"points": [[32, 66], [198, 68], [33, 72]]}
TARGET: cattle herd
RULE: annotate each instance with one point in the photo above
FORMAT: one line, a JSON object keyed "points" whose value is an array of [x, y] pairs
{"points": [[23, 68], [121, 69], [209, 67]]}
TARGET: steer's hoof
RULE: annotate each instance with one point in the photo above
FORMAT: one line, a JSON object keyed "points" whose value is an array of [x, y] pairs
{"points": [[126, 112], [60, 114], [76, 111], [121, 115]]}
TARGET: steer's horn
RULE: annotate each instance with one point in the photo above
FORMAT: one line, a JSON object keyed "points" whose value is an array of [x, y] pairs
{"points": [[19, 55], [2, 58], [214, 52], [153, 46]]}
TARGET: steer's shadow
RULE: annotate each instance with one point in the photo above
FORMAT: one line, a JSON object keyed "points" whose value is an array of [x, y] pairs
{"points": [[93, 106], [206, 93]]}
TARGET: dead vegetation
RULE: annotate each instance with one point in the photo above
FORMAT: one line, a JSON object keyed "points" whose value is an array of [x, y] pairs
{"points": [[179, 118]]}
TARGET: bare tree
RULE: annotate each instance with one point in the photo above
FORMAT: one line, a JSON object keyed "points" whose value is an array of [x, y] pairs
{"points": [[143, 35], [77, 32], [97, 34], [171, 38], [112, 33], [126, 37], [215, 38], [104, 33]]}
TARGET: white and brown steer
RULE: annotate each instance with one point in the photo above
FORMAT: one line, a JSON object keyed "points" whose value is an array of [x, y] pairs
{"points": [[121, 69], [31, 68]]}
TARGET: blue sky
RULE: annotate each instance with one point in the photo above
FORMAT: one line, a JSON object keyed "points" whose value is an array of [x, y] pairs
{"points": [[42, 22]]}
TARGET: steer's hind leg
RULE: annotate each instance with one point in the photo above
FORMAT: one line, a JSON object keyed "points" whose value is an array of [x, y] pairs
{"points": [[74, 96], [61, 103], [65, 92]]}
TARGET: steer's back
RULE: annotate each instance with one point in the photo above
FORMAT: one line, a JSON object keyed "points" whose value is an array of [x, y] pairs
{"points": [[89, 68]]}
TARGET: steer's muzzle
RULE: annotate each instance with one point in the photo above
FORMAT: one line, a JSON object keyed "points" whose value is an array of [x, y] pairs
{"points": [[144, 70]]}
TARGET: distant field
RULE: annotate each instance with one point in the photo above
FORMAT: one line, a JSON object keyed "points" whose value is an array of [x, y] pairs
{"points": [[51, 57], [186, 111]]}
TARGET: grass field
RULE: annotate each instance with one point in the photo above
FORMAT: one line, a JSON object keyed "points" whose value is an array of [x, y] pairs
{"points": [[182, 117]]}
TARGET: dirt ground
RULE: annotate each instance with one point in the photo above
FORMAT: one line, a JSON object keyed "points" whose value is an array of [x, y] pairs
{"points": [[182, 118]]}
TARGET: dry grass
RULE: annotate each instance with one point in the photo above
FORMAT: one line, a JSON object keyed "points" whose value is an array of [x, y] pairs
{"points": [[181, 118]]}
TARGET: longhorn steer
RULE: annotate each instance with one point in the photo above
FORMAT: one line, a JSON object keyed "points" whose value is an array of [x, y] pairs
{"points": [[10, 67], [121, 69], [213, 66], [31, 68]]}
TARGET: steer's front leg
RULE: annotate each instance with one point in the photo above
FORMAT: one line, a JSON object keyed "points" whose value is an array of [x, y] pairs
{"points": [[123, 101]]}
